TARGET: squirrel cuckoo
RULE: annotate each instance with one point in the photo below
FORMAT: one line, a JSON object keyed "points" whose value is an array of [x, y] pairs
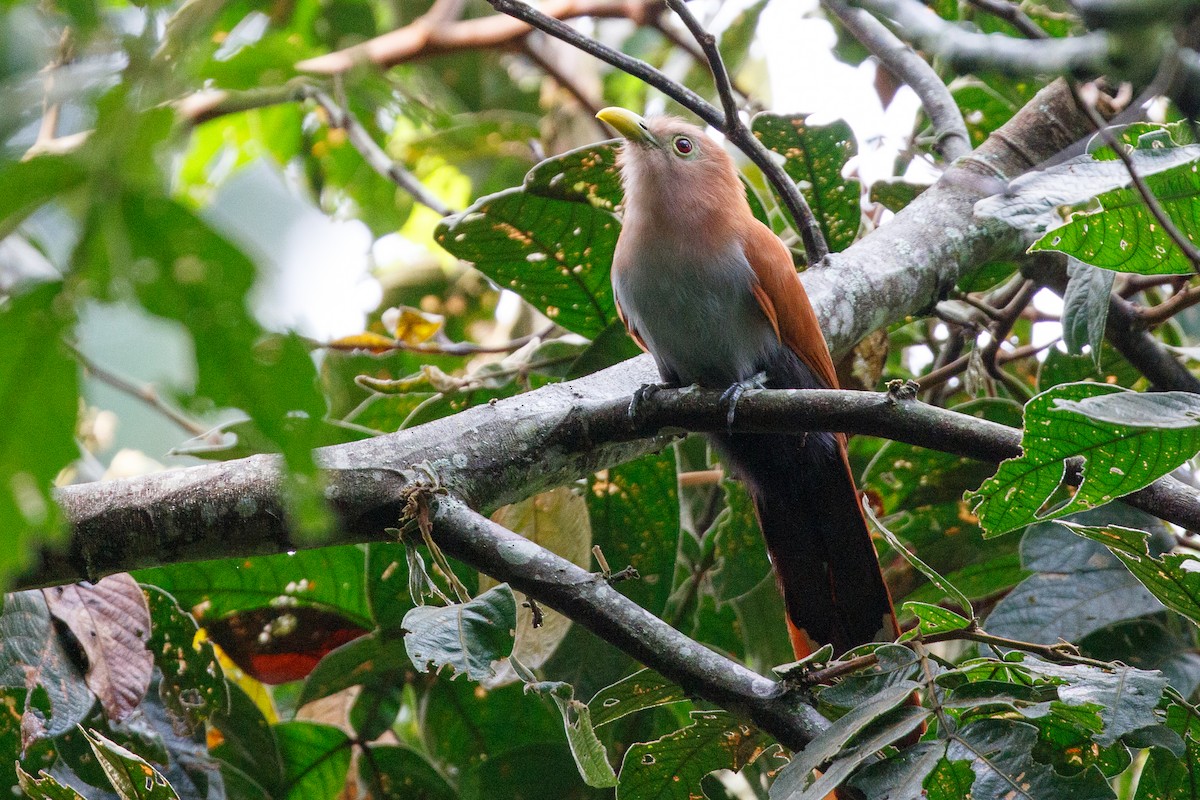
{"points": [[712, 294]]}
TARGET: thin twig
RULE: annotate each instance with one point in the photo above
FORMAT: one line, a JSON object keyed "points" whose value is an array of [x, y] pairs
{"points": [[960, 364], [1156, 315], [708, 45], [1013, 15], [144, 393], [810, 231], [951, 139], [373, 154], [1000, 330]]}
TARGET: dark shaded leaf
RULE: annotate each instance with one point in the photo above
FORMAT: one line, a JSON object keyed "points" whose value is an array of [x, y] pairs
{"points": [[467, 637], [193, 685], [587, 174], [400, 773], [315, 760], [670, 768], [641, 690], [1085, 307]]}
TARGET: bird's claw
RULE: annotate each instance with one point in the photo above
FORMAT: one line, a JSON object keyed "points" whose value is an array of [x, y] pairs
{"points": [[735, 392], [643, 394]]}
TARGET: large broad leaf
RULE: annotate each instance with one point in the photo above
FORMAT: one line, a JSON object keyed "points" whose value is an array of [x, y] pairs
{"points": [[671, 768], [329, 578], [33, 659], [1032, 201], [248, 750], [815, 155], [1166, 776], [192, 686], [1173, 579], [399, 772], [634, 510], [554, 253], [39, 391], [1124, 235], [315, 760], [737, 546], [467, 637], [986, 758], [27, 185], [1078, 587], [1126, 697], [1128, 443], [111, 622]]}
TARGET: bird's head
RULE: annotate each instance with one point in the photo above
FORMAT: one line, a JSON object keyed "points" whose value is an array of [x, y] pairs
{"points": [[668, 164]]}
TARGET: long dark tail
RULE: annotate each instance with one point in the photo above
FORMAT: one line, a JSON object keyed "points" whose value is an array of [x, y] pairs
{"points": [[825, 562]]}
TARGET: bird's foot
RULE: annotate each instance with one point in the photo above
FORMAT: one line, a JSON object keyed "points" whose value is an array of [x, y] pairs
{"points": [[735, 392], [647, 391]]}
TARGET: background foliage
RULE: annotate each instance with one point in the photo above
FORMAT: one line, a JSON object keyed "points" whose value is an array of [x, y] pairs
{"points": [[163, 165]]}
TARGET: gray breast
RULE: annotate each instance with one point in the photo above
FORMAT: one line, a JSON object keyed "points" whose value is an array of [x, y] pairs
{"points": [[701, 323]]}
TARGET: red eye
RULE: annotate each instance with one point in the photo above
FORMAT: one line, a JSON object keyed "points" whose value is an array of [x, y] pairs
{"points": [[683, 145]]}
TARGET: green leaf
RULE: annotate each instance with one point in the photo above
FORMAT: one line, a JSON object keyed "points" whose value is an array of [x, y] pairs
{"points": [[641, 690], [45, 787], [895, 194], [375, 660], [1167, 776], [1124, 235], [935, 619], [1120, 458], [193, 684], [587, 174], [740, 556], [635, 521], [1085, 307], [978, 580], [467, 637], [375, 711], [670, 768], [554, 253], [400, 773], [895, 665], [130, 774], [315, 760], [39, 391], [937, 580], [1060, 367], [25, 186], [999, 752], [1078, 587], [248, 750], [328, 578], [815, 155], [1172, 578], [1032, 202], [590, 756]]}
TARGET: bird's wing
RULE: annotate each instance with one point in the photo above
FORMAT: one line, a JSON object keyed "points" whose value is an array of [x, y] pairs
{"points": [[785, 302], [637, 337]]}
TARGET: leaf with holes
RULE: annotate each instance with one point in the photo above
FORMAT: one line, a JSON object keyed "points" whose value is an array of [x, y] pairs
{"points": [[467, 637], [554, 253], [641, 690], [130, 774], [671, 768], [45, 787], [1127, 443], [1124, 236], [111, 622], [815, 155], [587, 174], [193, 687]]}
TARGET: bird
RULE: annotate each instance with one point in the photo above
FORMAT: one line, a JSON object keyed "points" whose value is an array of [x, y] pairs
{"points": [[713, 295]]}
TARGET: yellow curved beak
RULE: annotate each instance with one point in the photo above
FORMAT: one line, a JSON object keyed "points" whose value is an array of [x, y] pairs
{"points": [[626, 123]]}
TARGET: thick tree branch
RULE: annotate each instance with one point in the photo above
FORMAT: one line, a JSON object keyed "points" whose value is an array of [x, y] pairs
{"points": [[589, 600]]}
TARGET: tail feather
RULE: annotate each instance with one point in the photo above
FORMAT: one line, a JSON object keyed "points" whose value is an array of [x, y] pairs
{"points": [[815, 531]]}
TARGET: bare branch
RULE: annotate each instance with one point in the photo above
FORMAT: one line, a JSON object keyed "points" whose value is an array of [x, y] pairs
{"points": [[950, 132]]}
